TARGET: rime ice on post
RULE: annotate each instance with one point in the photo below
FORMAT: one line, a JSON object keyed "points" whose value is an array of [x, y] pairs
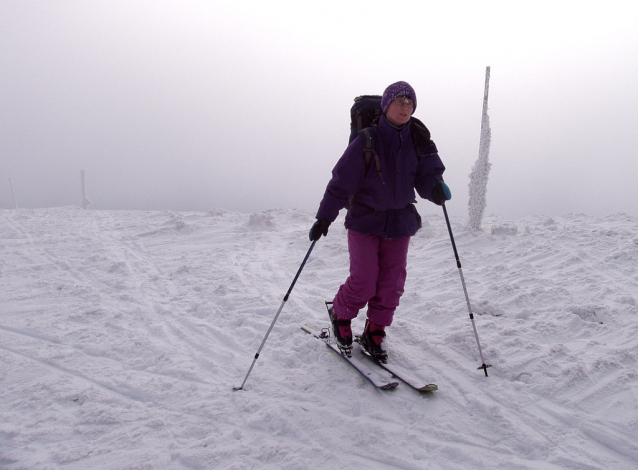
{"points": [[13, 194], [481, 169], [85, 200]]}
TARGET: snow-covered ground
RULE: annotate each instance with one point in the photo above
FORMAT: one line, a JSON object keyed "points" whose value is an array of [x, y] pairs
{"points": [[122, 335]]}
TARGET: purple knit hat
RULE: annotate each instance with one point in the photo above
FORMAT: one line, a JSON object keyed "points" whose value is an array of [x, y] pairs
{"points": [[396, 90]]}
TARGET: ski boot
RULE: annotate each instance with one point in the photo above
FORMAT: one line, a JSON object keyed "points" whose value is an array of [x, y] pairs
{"points": [[341, 330], [373, 341]]}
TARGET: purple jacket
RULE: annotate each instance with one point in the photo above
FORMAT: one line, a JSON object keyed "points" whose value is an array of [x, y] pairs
{"points": [[382, 207]]}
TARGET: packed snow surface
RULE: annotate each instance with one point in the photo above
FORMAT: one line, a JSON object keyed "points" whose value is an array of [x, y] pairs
{"points": [[122, 335]]}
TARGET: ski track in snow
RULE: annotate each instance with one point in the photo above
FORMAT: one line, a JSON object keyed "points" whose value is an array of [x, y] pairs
{"points": [[122, 334]]}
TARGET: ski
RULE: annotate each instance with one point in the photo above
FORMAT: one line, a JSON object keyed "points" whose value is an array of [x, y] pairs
{"points": [[404, 375], [380, 379]]}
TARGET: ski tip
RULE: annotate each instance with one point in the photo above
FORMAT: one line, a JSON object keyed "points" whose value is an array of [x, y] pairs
{"points": [[429, 388]]}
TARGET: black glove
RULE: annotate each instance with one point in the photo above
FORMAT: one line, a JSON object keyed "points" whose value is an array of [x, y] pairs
{"points": [[320, 227], [441, 193]]}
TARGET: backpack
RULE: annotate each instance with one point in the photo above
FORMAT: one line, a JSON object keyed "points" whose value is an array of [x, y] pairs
{"points": [[365, 112], [364, 116]]}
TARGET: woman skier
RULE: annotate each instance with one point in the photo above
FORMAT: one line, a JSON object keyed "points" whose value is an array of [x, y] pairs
{"points": [[381, 215]]}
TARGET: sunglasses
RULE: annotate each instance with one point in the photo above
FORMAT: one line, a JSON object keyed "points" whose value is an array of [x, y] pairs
{"points": [[404, 101]]}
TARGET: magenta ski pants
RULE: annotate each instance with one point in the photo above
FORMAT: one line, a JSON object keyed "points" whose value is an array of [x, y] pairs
{"points": [[377, 277]]}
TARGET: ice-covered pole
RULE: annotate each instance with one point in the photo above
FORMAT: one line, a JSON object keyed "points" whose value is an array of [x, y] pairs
{"points": [[481, 169], [86, 203], [13, 194]]}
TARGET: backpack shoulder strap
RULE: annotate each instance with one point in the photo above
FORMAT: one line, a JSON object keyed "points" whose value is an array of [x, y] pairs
{"points": [[370, 151]]}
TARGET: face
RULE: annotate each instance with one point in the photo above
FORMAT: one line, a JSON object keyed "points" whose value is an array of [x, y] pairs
{"points": [[399, 111]]}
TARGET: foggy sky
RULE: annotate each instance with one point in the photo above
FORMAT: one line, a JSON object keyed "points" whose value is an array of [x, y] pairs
{"points": [[244, 105]]}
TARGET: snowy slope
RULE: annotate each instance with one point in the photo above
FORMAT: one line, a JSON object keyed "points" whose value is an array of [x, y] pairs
{"points": [[122, 335]]}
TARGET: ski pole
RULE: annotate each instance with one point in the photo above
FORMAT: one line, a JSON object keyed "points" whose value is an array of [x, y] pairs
{"points": [[484, 366], [241, 387]]}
